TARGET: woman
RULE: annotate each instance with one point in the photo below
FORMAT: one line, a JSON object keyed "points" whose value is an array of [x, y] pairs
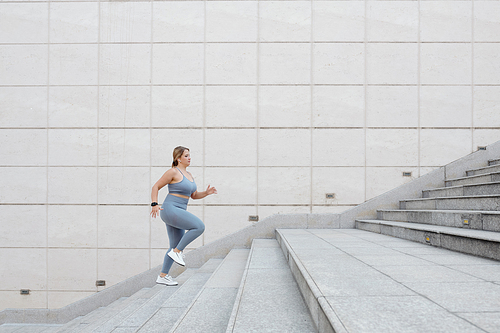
{"points": [[173, 212]]}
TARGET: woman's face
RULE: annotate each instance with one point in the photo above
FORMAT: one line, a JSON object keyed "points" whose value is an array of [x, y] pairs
{"points": [[185, 158]]}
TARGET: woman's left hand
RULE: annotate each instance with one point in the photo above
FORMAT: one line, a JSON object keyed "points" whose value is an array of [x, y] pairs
{"points": [[211, 190]]}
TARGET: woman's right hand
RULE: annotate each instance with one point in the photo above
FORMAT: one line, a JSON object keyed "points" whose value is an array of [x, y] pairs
{"points": [[155, 211]]}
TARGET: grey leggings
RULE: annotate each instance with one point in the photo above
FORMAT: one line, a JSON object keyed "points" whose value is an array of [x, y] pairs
{"points": [[177, 219]]}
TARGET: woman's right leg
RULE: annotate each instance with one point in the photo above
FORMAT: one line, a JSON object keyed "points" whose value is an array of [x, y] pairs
{"points": [[174, 237]]}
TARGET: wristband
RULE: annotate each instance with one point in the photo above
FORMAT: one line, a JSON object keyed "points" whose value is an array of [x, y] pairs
{"points": [[154, 204]]}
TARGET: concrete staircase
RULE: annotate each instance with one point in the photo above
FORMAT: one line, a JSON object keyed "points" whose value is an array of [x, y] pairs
{"points": [[463, 216], [430, 266], [250, 290]]}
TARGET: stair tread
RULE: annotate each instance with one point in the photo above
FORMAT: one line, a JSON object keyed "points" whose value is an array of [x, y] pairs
{"points": [[269, 299], [471, 233], [460, 186], [455, 197], [474, 176], [484, 168], [362, 277], [211, 310], [446, 211]]}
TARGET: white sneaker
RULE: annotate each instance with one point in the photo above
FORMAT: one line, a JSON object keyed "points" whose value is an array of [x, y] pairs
{"points": [[166, 280], [177, 257]]}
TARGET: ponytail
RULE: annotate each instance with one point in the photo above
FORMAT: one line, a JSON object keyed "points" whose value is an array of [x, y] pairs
{"points": [[178, 151]]}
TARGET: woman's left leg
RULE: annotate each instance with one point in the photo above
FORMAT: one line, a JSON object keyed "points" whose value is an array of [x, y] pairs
{"points": [[174, 237]]}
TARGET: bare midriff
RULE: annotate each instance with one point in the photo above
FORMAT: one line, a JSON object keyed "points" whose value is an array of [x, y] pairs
{"points": [[179, 195]]}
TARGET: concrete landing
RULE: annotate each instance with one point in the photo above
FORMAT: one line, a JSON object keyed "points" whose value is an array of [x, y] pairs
{"points": [[358, 281]]}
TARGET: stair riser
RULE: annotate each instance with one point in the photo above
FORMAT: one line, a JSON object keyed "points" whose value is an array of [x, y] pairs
{"points": [[488, 204], [474, 180], [494, 162], [456, 243], [475, 221], [495, 168], [485, 189]]}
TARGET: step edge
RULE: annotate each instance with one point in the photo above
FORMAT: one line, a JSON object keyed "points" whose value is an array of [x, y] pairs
{"points": [[459, 186], [470, 177], [453, 197], [239, 294], [443, 211], [323, 307], [479, 234]]}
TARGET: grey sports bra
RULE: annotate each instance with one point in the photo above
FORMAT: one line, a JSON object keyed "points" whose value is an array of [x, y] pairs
{"points": [[184, 187]]}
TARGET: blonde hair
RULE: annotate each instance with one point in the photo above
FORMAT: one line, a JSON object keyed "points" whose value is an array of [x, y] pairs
{"points": [[178, 151]]}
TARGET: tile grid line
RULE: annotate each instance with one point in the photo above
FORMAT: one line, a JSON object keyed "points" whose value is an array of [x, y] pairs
{"points": [[257, 129], [311, 115], [151, 127], [472, 77], [47, 166], [365, 103], [419, 128], [204, 108], [98, 136]]}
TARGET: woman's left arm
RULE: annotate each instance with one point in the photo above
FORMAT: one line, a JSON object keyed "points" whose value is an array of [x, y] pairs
{"points": [[201, 195]]}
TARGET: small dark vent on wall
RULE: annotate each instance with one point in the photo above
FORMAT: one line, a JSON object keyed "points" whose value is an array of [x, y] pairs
{"points": [[253, 218]]}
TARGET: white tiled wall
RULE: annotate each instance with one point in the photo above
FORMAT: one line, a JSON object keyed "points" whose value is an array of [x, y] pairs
{"points": [[279, 101]]}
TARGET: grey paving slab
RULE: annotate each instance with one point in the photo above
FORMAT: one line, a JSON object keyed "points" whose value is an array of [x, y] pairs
{"points": [[28, 328], [488, 321], [396, 314], [461, 296], [485, 272], [455, 258], [426, 273], [392, 260], [370, 250], [124, 330], [426, 249]]}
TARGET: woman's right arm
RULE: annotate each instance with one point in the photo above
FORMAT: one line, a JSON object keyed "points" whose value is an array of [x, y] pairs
{"points": [[164, 180]]}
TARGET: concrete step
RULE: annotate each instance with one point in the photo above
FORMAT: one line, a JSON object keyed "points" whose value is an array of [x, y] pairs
{"points": [[28, 328], [479, 179], [475, 202], [167, 314], [102, 314], [463, 190], [80, 323], [494, 162], [476, 242], [358, 281], [211, 309], [268, 298], [481, 171], [467, 219]]}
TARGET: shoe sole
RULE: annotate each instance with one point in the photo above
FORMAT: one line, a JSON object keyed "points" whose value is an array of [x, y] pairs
{"points": [[166, 284], [176, 261]]}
